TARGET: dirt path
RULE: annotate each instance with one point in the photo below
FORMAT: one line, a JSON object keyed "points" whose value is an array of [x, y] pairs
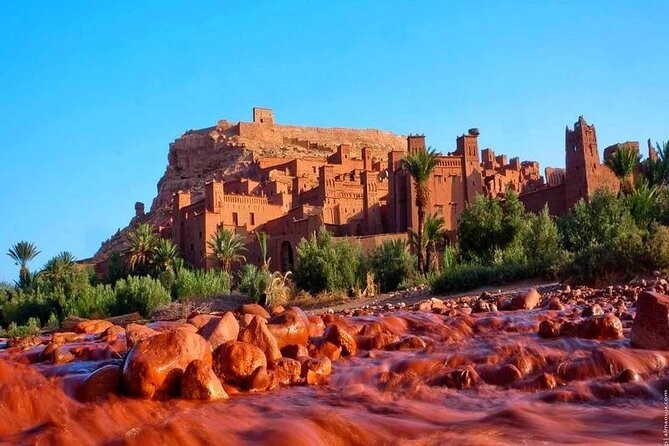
{"points": [[415, 295]]}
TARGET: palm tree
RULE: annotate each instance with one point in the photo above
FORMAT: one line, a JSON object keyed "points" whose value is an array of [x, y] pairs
{"points": [[60, 266], [420, 165], [226, 248], [141, 248], [435, 235], [262, 244], [657, 171], [622, 162], [22, 253], [165, 253]]}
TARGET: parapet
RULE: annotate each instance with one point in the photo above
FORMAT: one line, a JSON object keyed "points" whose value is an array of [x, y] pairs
{"points": [[263, 116]]}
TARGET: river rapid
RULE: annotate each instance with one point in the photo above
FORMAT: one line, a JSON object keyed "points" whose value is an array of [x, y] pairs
{"points": [[481, 379]]}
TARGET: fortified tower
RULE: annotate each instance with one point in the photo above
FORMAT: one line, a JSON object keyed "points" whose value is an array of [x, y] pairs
{"points": [[468, 148], [582, 161]]}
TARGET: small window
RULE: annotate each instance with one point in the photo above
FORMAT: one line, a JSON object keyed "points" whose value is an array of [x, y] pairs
{"points": [[200, 235], [235, 219], [191, 247], [252, 218]]}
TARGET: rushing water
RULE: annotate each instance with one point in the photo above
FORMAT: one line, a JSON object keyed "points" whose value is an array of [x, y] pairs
{"points": [[555, 391]]}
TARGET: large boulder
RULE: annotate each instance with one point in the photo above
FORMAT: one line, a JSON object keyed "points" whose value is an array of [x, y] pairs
{"points": [[290, 327], [235, 362], [153, 368], [257, 333], [135, 333], [526, 301], [339, 337], [255, 310], [199, 382], [650, 328], [95, 326], [100, 384], [219, 330]]}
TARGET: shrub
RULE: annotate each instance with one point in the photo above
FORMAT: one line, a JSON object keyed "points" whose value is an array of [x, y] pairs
{"points": [[328, 265], [467, 277], [489, 226], [197, 285], [542, 245], [391, 264], [31, 328], [141, 294], [657, 247], [253, 281], [93, 302]]}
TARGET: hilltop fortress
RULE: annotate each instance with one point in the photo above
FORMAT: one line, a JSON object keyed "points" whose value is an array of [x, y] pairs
{"points": [[288, 181]]}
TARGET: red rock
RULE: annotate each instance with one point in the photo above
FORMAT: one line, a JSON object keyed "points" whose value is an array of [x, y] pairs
{"points": [[290, 327], [329, 350], [545, 381], [65, 337], [592, 310], [200, 320], [219, 330], [277, 309], [555, 304], [526, 301], [462, 378], [135, 333], [112, 333], [260, 380], [376, 341], [294, 351], [100, 384], [407, 343], [316, 326], [155, 365], [550, 329], [651, 325], [505, 375], [199, 382], [601, 327], [286, 370], [235, 362], [92, 326], [254, 309], [257, 333], [315, 370], [342, 338]]}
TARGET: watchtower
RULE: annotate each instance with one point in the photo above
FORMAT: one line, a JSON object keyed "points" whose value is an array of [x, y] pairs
{"points": [[263, 116]]}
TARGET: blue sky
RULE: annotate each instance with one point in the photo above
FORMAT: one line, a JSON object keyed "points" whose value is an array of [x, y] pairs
{"points": [[92, 92]]}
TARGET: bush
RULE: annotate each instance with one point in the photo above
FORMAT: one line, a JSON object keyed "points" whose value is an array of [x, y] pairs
{"points": [[328, 265], [657, 247], [197, 285], [141, 294], [542, 245], [489, 227], [93, 302], [253, 281], [467, 277], [32, 328], [391, 264]]}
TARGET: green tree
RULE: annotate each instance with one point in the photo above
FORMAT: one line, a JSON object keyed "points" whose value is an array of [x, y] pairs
{"points": [[435, 237], [420, 165], [657, 171], [227, 248], [261, 237], [141, 249], [622, 162], [391, 264], [165, 254], [22, 253], [60, 267]]}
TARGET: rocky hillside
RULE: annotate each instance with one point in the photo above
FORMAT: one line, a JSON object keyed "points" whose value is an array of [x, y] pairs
{"points": [[227, 150]]}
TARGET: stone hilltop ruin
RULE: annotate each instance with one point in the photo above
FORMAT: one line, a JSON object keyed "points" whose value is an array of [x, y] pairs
{"points": [[288, 181]]}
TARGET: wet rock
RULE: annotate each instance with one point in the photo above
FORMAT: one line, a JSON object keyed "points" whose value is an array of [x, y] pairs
{"points": [[651, 325], [100, 384], [555, 304], [64, 337], [526, 301], [545, 381], [112, 333], [550, 329], [135, 333], [504, 303], [200, 320], [277, 309], [592, 310], [341, 338], [153, 368], [290, 327], [260, 380], [504, 375], [315, 370], [329, 350], [407, 343], [92, 326], [286, 370], [257, 333], [294, 351], [628, 376], [199, 382], [57, 354], [601, 327], [255, 310], [235, 362], [24, 342], [219, 330], [482, 306], [316, 326], [462, 378]]}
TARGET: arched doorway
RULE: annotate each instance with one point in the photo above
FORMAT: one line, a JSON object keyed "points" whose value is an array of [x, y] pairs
{"points": [[286, 256]]}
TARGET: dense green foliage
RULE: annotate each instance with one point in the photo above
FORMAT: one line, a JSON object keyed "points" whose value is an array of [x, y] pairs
{"points": [[143, 294], [197, 284], [325, 264], [254, 281], [392, 264]]}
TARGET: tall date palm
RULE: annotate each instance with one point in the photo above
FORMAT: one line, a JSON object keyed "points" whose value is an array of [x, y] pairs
{"points": [[22, 253], [227, 248], [420, 165]]}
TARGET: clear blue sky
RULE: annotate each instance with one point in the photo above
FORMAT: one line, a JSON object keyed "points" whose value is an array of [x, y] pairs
{"points": [[91, 93]]}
